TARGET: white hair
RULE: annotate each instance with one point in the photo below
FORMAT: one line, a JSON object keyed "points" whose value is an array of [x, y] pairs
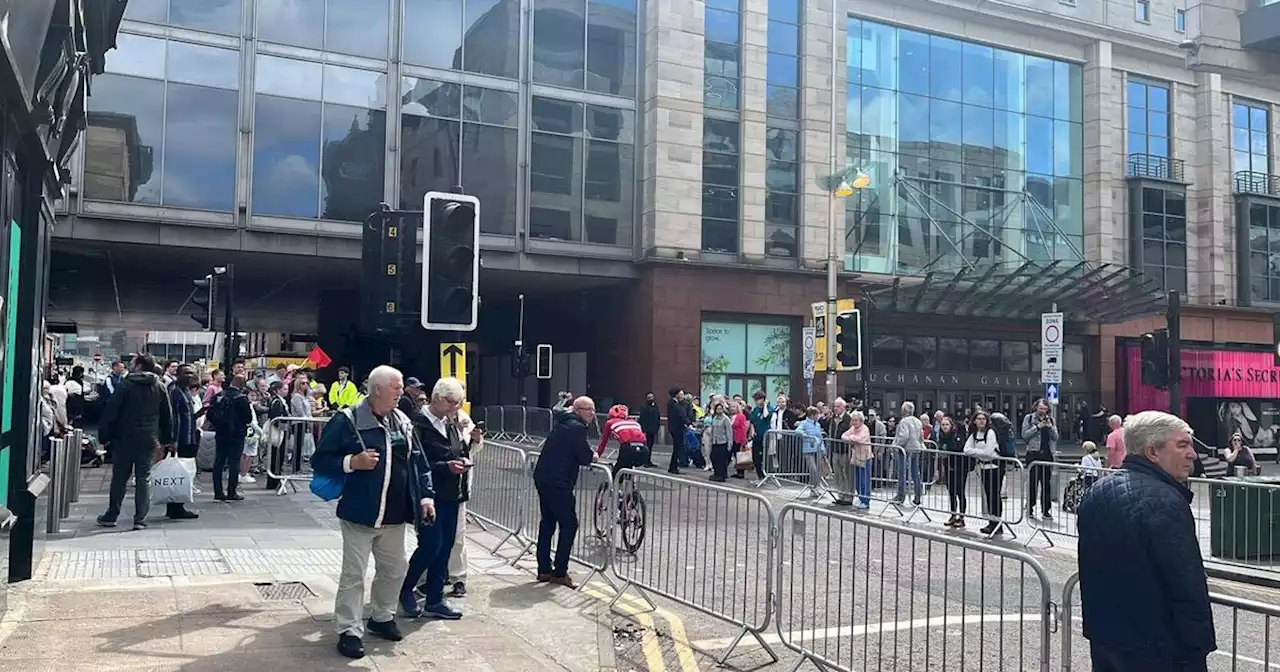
{"points": [[448, 388], [858, 415], [839, 400], [1115, 420], [1151, 429], [908, 408], [382, 376]]}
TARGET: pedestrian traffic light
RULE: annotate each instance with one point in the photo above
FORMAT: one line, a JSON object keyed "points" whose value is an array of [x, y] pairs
{"points": [[849, 341], [204, 298], [1155, 359], [450, 261]]}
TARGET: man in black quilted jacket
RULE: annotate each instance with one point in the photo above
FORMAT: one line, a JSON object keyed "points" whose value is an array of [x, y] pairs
{"points": [[1143, 592]]}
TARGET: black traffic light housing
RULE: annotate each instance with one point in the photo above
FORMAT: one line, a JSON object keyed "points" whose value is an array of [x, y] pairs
{"points": [[543, 365], [849, 341], [1155, 359], [450, 261], [205, 299]]}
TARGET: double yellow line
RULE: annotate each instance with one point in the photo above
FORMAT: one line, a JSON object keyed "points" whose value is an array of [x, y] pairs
{"points": [[651, 644]]}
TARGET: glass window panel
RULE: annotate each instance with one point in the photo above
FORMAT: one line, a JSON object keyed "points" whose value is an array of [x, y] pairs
{"points": [[1015, 355], [288, 77], [559, 44], [1154, 274], [1175, 278], [721, 59], [1239, 116], [428, 97], [913, 63], [1258, 120], [944, 68], [611, 45], [1158, 124], [984, 355], [1175, 203], [604, 175], [1010, 81], [137, 55], [720, 136], [1137, 119], [1240, 138], [953, 354], [887, 352], [156, 11], [879, 55], [300, 24], [720, 168], [781, 144], [557, 116], [1153, 226], [783, 70], [780, 176], [550, 223], [429, 156], [979, 75], [1176, 229], [1175, 255], [979, 135], [944, 129], [220, 16], [603, 230], [1157, 146], [1153, 253], [722, 26], [720, 92], [1009, 141], [784, 10], [1258, 238], [1064, 150], [286, 157], [124, 140], [719, 235], [1258, 142], [1073, 358], [1040, 87], [922, 353], [720, 202], [784, 38], [201, 133], [1137, 143], [358, 27], [780, 208], [1241, 160], [353, 162], [610, 123], [489, 167], [490, 106], [358, 88], [727, 5], [913, 126], [1136, 94], [1039, 145], [439, 23], [491, 29], [779, 240], [207, 66], [1158, 98], [554, 164]]}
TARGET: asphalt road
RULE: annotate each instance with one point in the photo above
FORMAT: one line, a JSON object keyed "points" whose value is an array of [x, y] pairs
{"points": [[859, 590]]}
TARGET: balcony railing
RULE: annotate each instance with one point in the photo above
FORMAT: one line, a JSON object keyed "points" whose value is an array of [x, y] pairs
{"points": [[1249, 182], [1156, 167]]}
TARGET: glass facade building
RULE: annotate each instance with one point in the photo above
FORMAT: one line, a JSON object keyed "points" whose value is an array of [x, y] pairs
{"points": [[975, 153], [289, 112]]}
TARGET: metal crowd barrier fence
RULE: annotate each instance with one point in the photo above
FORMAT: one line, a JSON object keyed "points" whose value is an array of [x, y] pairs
{"points": [[538, 423], [513, 423], [1246, 631], [500, 481], [785, 459], [1068, 484], [593, 542], [858, 593], [707, 547], [979, 487], [873, 481], [287, 444]]}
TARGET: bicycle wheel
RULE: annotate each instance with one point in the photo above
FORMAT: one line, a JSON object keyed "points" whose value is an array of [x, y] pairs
{"points": [[603, 509], [633, 522]]}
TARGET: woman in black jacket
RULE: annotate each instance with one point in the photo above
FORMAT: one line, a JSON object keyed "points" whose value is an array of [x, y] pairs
{"points": [[187, 430], [950, 440]]}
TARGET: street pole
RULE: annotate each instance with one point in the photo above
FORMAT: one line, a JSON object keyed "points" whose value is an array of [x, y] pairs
{"points": [[1174, 318], [832, 238], [229, 347]]}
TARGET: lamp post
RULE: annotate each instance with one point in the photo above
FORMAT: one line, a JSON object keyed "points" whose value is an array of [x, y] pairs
{"points": [[841, 184]]}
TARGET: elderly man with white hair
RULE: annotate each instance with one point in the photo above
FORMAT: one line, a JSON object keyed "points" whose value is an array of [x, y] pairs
{"points": [[1143, 592], [910, 438], [386, 485]]}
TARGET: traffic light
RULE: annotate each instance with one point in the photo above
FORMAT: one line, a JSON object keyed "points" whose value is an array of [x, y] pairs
{"points": [[1155, 359], [450, 261], [849, 341], [544, 361], [204, 299]]}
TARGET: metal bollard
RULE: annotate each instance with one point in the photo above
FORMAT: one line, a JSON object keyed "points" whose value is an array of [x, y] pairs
{"points": [[68, 459], [77, 445], [53, 520]]}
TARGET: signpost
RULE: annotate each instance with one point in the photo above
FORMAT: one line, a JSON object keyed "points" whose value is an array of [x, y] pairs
{"points": [[809, 341], [453, 364], [1051, 333], [1051, 394], [819, 335]]}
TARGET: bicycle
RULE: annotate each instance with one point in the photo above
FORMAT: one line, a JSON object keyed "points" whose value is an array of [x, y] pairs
{"points": [[630, 511]]}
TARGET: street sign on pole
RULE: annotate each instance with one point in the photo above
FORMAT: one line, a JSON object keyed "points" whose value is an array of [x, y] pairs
{"points": [[1051, 394], [819, 310], [809, 341], [1051, 336]]}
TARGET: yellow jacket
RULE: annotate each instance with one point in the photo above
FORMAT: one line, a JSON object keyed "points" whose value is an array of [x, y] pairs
{"points": [[344, 395]]}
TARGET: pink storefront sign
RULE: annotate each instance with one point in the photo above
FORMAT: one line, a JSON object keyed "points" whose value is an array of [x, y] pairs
{"points": [[1220, 374]]}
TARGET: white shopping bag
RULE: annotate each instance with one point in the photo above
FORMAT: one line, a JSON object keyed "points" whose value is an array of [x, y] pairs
{"points": [[171, 483]]}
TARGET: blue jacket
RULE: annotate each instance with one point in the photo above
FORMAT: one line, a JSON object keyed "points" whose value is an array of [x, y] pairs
{"points": [[1143, 591], [364, 493], [565, 450], [812, 430]]}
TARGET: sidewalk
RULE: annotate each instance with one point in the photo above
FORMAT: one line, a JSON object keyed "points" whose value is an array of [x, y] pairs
{"points": [[250, 585]]}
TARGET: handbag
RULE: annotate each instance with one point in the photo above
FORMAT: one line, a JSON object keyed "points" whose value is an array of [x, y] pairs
{"points": [[742, 459], [329, 487]]}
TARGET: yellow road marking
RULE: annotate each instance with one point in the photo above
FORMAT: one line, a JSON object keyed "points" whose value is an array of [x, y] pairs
{"points": [[637, 608]]}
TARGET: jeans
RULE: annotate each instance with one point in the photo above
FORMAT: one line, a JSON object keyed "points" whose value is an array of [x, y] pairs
{"points": [[992, 479], [720, 460], [226, 458], [1106, 660], [559, 511], [677, 451], [131, 460], [910, 463], [435, 545], [957, 481], [862, 481], [757, 456], [1039, 480]]}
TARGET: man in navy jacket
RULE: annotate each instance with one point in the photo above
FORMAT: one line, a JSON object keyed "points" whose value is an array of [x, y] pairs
{"points": [[1143, 592], [555, 476], [386, 486]]}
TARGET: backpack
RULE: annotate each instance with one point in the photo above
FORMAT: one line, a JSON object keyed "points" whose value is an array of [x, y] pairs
{"points": [[220, 413]]}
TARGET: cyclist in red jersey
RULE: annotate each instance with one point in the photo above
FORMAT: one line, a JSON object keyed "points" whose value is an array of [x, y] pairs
{"points": [[631, 440]]}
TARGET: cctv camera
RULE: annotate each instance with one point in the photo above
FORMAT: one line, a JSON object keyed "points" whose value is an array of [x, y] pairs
{"points": [[1189, 45]]}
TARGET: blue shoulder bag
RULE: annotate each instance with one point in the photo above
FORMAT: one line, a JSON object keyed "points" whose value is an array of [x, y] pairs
{"points": [[329, 487]]}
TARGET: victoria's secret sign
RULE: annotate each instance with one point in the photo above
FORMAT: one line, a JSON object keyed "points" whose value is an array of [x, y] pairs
{"points": [[1210, 373], [966, 380]]}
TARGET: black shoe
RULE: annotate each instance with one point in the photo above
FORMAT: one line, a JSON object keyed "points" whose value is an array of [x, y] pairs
{"points": [[387, 630], [442, 612], [738, 475], [183, 515], [139, 524], [234, 497], [459, 590], [350, 646], [673, 471], [106, 522]]}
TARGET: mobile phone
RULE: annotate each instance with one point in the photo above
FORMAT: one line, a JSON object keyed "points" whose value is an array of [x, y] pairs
{"points": [[480, 425]]}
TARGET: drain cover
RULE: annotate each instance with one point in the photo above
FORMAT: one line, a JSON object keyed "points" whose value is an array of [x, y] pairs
{"points": [[284, 591]]}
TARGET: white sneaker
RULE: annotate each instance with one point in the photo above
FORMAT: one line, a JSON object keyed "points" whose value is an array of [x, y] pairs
{"points": [[246, 478], [133, 482]]}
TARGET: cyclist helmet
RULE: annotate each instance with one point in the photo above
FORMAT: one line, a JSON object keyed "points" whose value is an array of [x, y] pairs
{"points": [[618, 411]]}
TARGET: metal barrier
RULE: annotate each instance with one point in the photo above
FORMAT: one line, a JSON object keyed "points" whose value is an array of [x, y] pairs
{"points": [[858, 593], [785, 459], [538, 423], [1246, 631], [871, 482], [1067, 485], [978, 487], [500, 481], [513, 423], [494, 427], [593, 544], [287, 444], [707, 547]]}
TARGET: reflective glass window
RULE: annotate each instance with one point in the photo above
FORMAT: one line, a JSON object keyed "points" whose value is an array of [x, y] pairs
{"points": [[611, 46], [439, 25], [720, 179], [1250, 137], [1015, 356], [357, 27], [1264, 246], [953, 354], [782, 67], [922, 353], [163, 125], [219, 16], [887, 352], [984, 355], [559, 43], [319, 140], [1147, 106], [721, 55]]}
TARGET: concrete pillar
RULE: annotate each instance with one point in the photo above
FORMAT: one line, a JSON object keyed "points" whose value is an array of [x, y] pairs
{"points": [[1105, 234], [1210, 215], [755, 61], [816, 139]]}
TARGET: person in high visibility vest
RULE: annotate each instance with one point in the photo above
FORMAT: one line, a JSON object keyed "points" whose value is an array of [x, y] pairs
{"points": [[344, 393]]}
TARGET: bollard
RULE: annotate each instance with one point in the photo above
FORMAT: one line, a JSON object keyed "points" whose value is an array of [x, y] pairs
{"points": [[65, 472], [53, 519], [77, 446]]}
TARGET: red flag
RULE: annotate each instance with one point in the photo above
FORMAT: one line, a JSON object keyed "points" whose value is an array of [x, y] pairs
{"points": [[319, 358]]}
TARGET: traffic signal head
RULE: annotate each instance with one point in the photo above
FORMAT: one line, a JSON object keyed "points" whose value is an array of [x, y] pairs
{"points": [[1155, 359], [450, 261], [204, 299], [849, 341]]}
